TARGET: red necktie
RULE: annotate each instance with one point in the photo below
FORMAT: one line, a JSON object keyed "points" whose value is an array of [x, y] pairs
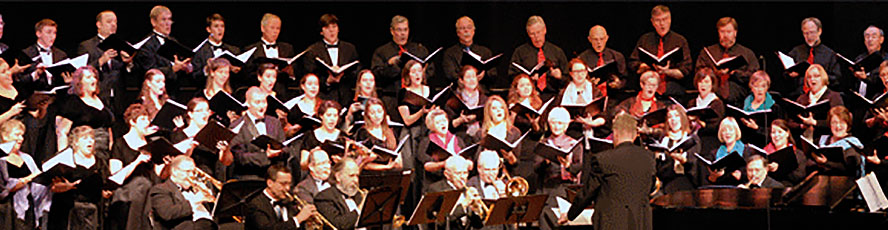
{"points": [[401, 50], [660, 49], [600, 60], [541, 82], [811, 56], [662, 88], [723, 84]]}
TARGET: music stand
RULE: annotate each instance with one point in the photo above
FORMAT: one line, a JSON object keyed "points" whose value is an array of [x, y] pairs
{"points": [[232, 199], [398, 179], [434, 207], [511, 210], [382, 202]]}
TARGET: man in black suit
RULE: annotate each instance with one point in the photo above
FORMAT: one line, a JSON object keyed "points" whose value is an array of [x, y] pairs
{"points": [[333, 52], [341, 203], [538, 51], [251, 160], [175, 204], [456, 170], [813, 52], [273, 209], [318, 173], [451, 62], [147, 58], [212, 47], [757, 174], [111, 69], [620, 182], [270, 47], [44, 53], [386, 62]]}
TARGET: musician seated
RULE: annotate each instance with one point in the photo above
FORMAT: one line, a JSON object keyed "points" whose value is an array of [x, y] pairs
{"points": [[178, 203], [318, 173], [840, 129], [757, 174], [456, 170], [275, 207], [341, 203], [488, 181]]}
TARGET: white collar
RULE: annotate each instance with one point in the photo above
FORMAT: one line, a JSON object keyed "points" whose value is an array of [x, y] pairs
{"points": [[265, 191], [267, 42], [213, 43], [101, 37], [815, 96]]}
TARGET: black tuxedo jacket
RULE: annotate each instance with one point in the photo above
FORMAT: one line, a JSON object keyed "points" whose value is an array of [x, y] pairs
{"points": [[110, 74], [199, 61], [331, 204], [261, 215], [285, 50], [169, 208], [347, 53], [41, 83], [250, 159]]}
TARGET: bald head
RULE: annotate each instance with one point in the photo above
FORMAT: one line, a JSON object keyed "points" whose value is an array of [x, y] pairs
{"points": [[256, 102], [598, 38]]}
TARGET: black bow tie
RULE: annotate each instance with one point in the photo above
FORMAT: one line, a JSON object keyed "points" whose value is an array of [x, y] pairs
{"points": [[331, 45], [42, 50], [281, 203], [219, 47], [271, 46], [257, 121], [755, 186]]}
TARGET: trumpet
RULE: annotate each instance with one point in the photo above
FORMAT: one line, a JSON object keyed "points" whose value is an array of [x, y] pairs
{"points": [[317, 221], [475, 203], [203, 177], [200, 187]]}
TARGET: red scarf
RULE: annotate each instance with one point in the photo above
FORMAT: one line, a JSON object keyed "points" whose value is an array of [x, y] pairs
{"points": [[637, 108]]}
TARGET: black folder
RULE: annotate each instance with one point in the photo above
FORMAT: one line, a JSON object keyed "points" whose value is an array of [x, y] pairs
{"points": [[213, 133], [279, 61], [223, 102], [115, 42], [654, 117], [730, 63], [418, 100], [785, 159], [521, 109], [439, 153], [672, 56], [67, 65], [789, 65], [685, 144], [482, 64], [388, 154], [818, 109], [336, 69], [733, 161], [333, 148], [11, 55], [407, 56], [760, 117], [236, 60], [593, 108], [539, 68], [832, 153], [265, 141], [605, 70], [869, 63], [169, 111], [160, 147], [551, 152], [880, 101], [173, 47], [493, 143]]}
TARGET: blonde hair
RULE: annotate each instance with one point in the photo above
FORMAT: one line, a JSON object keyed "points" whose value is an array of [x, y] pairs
{"points": [[267, 17], [729, 123], [535, 19], [157, 11], [397, 19], [10, 125], [488, 119]]}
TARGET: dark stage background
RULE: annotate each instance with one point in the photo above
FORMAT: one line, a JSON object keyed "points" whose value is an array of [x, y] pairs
{"points": [[763, 27]]}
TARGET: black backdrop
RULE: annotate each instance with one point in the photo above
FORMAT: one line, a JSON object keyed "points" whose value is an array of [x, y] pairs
{"points": [[763, 27]]}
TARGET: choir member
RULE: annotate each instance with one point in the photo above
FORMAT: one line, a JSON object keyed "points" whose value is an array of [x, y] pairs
{"points": [[817, 81], [213, 47], [551, 175], [731, 81], [341, 203], [134, 169], [600, 54], [840, 135], [781, 138], [147, 58], [218, 72], [414, 79], [153, 93], [437, 123], [365, 88], [74, 206], [707, 84], [273, 209], [452, 60], [730, 137], [308, 102], [3, 46], [177, 203], [496, 122], [468, 92], [333, 52], [813, 52], [268, 45], [86, 109], [19, 198], [540, 51], [663, 39], [376, 132], [318, 175], [464, 215], [12, 100], [112, 64], [267, 76], [328, 112], [250, 161], [386, 61], [212, 161], [876, 120], [522, 91], [44, 53], [679, 170], [582, 90], [866, 82], [645, 101], [758, 100], [757, 174]]}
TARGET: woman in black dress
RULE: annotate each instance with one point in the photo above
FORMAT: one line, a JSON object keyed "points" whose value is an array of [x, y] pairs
{"points": [[133, 170], [218, 71], [153, 94], [466, 125], [11, 100], [77, 192], [212, 161], [376, 132], [329, 131], [20, 198], [413, 79], [86, 109]]}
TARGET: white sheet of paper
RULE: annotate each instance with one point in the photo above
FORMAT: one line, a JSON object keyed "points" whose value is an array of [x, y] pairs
{"points": [[585, 217]]}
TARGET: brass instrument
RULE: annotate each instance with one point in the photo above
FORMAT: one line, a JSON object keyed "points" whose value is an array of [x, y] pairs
{"points": [[515, 186], [316, 221], [203, 177], [199, 186], [475, 203]]}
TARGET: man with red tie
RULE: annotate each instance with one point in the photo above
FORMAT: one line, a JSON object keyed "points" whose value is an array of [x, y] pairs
{"points": [[386, 62], [528, 55], [660, 42], [814, 52], [733, 82], [599, 54]]}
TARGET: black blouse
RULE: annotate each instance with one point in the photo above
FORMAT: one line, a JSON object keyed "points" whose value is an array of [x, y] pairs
{"points": [[122, 151], [82, 114]]}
